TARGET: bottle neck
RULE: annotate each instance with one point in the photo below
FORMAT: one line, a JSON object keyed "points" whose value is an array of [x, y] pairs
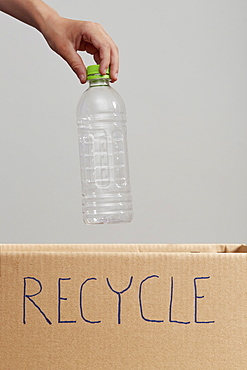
{"points": [[99, 82]]}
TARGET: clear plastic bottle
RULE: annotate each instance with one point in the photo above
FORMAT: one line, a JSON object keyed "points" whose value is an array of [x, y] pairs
{"points": [[102, 131]]}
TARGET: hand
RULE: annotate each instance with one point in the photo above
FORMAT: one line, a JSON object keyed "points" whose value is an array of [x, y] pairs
{"points": [[67, 36]]}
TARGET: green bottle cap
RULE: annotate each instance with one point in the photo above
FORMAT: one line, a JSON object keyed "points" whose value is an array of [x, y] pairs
{"points": [[93, 72]]}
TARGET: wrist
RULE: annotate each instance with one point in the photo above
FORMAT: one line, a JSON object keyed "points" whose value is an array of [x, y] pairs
{"points": [[43, 15]]}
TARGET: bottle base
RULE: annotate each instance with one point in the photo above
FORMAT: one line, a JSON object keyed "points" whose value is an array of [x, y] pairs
{"points": [[107, 219]]}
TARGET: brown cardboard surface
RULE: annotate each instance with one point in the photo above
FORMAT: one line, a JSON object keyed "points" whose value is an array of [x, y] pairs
{"points": [[162, 248], [123, 307]]}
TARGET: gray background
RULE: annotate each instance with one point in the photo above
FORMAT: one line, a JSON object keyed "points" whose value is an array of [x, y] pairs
{"points": [[184, 81]]}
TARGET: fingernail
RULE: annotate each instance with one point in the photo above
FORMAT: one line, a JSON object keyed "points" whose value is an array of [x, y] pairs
{"points": [[116, 76], [82, 78]]}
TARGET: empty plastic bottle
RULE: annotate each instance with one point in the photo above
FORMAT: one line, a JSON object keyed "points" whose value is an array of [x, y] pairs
{"points": [[102, 131]]}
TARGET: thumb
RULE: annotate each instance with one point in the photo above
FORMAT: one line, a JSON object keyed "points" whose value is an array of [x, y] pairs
{"points": [[76, 63]]}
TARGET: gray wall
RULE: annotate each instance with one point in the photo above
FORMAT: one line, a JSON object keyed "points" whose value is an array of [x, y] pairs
{"points": [[184, 81]]}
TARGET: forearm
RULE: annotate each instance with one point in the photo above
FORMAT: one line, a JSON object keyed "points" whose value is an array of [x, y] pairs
{"points": [[33, 12]]}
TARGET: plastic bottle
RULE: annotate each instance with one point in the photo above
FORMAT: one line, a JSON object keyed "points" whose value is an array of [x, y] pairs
{"points": [[102, 131]]}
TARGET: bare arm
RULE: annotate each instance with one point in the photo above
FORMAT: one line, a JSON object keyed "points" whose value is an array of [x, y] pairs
{"points": [[67, 36]]}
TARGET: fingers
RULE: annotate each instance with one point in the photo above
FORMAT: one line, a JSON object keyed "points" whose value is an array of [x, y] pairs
{"points": [[114, 67], [107, 52], [108, 56], [76, 63], [97, 57]]}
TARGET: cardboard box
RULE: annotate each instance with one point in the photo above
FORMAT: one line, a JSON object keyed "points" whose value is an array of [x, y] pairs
{"points": [[123, 307]]}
